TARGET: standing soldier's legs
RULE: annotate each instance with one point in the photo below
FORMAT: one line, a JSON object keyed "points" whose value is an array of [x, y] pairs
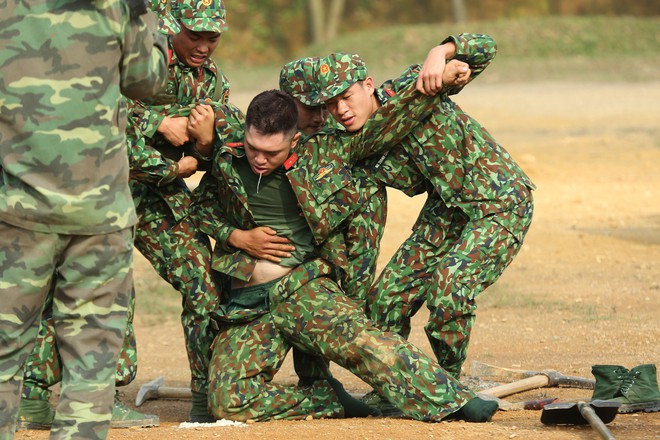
{"points": [[182, 256], [400, 289], [90, 309], [312, 312], [27, 265], [480, 252]]}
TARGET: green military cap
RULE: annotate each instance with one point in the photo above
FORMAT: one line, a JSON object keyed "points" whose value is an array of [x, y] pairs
{"points": [[337, 72], [200, 15], [298, 79], [166, 23]]}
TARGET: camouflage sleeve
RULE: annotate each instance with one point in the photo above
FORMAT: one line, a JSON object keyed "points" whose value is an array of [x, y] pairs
{"points": [[478, 50], [144, 62], [205, 211], [205, 208], [229, 124], [146, 119], [147, 165]]}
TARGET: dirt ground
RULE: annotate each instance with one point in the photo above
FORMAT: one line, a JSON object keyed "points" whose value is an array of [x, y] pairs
{"points": [[584, 290]]}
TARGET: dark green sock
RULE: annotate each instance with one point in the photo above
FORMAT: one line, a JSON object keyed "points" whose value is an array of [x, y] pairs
{"points": [[352, 406], [200, 411], [476, 410]]}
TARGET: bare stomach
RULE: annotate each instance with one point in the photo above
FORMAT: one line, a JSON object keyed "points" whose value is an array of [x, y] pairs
{"points": [[264, 271]]}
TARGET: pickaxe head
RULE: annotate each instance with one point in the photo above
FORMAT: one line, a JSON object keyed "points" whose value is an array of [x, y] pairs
{"points": [[149, 390]]}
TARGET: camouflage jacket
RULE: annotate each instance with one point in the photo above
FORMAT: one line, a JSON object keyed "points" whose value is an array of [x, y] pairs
{"points": [[318, 171], [154, 171], [458, 158], [63, 68]]}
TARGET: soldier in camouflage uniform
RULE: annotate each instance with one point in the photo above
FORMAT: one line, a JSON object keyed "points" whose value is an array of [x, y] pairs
{"points": [[161, 197], [365, 229], [273, 189], [66, 212], [479, 204], [167, 134]]}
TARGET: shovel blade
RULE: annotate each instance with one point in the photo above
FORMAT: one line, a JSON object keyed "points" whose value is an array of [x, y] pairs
{"points": [[566, 413]]}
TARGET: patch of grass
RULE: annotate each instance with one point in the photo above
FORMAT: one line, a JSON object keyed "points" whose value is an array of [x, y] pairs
{"points": [[585, 48], [504, 296], [155, 300]]}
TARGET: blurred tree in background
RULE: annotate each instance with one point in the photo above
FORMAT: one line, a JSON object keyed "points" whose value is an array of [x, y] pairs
{"points": [[265, 31]]}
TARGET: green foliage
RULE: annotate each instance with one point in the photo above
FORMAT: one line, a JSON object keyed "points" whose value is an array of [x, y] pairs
{"points": [[530, 49]]}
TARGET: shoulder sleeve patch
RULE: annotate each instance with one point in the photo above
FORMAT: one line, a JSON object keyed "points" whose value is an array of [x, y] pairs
{"points": [[390, 92]]}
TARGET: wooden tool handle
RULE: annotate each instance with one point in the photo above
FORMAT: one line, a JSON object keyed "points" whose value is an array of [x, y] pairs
{"points": [[590, 416], [174, 393], [538, 381]]}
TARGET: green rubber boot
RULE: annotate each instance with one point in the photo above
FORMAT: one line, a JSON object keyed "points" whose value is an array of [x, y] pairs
{"points": [[608, 380], [639, 390], [124, 417], [35, 414], [199, 413]]}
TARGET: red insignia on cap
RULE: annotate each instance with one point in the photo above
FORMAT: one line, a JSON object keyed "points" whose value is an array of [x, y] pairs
{"points": [[290, 161], [234, 144], [324, 68]]}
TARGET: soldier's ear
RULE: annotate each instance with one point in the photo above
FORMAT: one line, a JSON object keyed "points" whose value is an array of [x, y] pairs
{"points": [[295, 139], [369, 84]]}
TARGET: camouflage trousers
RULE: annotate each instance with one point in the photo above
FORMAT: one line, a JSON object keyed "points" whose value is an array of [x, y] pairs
{"points": [[89, 278], [446, 264], [248, 351], [43, 365], [181, 255], [309, 311]]}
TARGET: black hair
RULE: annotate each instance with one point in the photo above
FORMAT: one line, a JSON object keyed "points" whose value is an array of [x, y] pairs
{"points": [[272, 112]]}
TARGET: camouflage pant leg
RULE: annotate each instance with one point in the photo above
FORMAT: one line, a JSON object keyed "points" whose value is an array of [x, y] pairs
{"points": [[475, 261], [26, 268], [401, 287], [42, 368], [312, 312], [309, 368], [182, 256], [127, 364], [363, 236], [89, 315], [246, 356]]}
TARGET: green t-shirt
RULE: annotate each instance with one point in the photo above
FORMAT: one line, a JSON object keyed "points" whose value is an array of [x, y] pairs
{"points": [[274, 204]]}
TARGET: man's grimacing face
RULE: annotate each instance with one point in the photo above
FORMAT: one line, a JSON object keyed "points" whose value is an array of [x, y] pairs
{"points": [[353, 107], [311, 118], [194, 48], [267, 152]]}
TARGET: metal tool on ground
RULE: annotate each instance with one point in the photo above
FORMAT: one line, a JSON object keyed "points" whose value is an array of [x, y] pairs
{"points": [[527, 405], [596, 413], [156, 390], [528, 380]]}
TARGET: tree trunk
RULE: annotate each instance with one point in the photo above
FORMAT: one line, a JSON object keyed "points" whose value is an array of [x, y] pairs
{"points": [[325, 24], [458, 11]]}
